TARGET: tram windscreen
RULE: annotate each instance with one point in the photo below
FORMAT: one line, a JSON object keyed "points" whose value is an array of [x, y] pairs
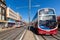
{"points": [[47, 22], [46, 11]]}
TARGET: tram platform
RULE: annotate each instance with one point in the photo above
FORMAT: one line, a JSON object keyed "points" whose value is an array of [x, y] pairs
{"points": [[29, 36]]}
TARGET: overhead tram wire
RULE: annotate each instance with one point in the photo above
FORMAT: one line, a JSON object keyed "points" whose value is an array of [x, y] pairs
{"points": [[29, 10]]}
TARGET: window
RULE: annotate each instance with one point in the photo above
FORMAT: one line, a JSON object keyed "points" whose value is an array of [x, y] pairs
{"points": [[11, 20], [3, 0], [0, 3], [12, 15], [2, 17], [46, 17], [49, 11], [3, 11], [0, 9]]}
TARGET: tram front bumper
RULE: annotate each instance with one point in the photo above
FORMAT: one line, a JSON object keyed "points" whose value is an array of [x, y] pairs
{"points": [[40, 31]]}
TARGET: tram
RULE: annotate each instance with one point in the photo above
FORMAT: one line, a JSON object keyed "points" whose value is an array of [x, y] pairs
{"points": [[45, 21]]}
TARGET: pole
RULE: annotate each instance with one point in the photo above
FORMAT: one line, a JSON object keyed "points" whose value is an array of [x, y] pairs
{"points": [[29, 12]]}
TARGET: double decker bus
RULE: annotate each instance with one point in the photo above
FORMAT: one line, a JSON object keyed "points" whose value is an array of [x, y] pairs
{"points": [[45, 21]]}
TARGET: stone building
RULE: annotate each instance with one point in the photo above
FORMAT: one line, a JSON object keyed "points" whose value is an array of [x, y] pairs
{"points": [[2, 13]]}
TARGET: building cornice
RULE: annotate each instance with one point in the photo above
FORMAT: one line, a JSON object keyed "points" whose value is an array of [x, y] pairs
{"points": [[3, 2]]}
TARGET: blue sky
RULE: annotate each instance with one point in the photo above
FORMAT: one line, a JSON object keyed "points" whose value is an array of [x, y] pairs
{"points": [[21, 6]]}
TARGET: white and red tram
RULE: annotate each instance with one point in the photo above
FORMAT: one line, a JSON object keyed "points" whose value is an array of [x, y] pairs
{"points": [[45, 21]]}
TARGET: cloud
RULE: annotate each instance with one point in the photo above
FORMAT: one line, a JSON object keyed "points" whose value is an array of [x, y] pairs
{"points": [[22, 7], [36, 6], [27, 6]]}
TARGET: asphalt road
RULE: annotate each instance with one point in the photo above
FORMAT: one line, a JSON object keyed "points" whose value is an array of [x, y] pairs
{"points": [[16, 34], [12, 34]]}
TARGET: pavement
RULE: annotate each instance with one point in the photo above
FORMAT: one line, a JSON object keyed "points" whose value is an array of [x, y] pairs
{"points": [[29, 35], [4, 29]]}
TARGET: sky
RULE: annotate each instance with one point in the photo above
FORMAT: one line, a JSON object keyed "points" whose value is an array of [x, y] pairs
{"points": [[21, 6]]}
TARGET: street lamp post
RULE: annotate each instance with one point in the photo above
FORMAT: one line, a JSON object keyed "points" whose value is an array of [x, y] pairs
{"points": [[29, 11]]}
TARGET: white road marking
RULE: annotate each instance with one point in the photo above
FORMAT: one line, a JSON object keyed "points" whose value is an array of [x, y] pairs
{"points": [[39, 37], [36, 37], [22, 35]]}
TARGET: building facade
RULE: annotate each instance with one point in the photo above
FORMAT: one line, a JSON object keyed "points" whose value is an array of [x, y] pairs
{"points": [[58, 20], [13, 18], [2, 13]]}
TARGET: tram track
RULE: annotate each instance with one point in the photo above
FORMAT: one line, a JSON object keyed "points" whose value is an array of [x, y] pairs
{"points": [[5, 31], [18, 35], [59, 32], [11, 34], [56, 37], [6, 34], [47, 37]]}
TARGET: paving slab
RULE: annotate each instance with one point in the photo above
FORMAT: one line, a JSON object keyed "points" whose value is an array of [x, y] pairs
{"points": [[29, 36]]}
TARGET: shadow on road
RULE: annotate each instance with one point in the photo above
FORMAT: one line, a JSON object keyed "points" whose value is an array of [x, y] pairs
{"points": [[59, 27], [35, 31], [32, 29]]}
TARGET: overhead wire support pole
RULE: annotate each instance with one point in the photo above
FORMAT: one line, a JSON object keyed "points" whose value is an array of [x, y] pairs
{"points": [[29, 11]]}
